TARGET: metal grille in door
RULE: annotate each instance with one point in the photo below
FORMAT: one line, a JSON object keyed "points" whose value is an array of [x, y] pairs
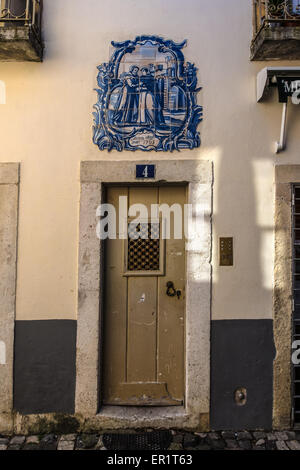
{"points": [[143, 247]]}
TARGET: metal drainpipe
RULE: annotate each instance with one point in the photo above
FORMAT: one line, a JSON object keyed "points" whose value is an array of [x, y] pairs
{"points": [[280, 146]]}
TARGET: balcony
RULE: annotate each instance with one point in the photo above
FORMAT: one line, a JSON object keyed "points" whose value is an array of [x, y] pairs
{"points": [[20, 30], [276, 28]]}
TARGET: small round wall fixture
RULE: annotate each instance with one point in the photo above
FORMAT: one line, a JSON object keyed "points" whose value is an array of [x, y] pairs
{"points": [[240, 396]]}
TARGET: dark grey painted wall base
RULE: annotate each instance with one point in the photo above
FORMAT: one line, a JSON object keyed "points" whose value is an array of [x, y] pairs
{"points": [[44, 369], [242, 354]]}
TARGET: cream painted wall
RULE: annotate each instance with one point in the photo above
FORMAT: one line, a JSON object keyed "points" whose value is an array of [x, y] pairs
{"points": [[46, 124]]}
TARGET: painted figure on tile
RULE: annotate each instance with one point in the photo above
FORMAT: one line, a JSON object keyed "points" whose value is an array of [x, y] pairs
{"points": [[127, 108], [150, 111]]}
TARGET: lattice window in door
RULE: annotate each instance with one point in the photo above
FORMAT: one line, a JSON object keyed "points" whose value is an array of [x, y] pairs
{"points": [[144, 249]]}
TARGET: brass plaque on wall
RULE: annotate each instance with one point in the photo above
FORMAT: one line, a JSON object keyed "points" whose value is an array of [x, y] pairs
{"points": [[226, 251]]}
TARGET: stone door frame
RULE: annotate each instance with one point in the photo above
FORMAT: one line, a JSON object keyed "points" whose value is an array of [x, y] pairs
{"points": [[9, 204], [285, 177], [94, 175]]}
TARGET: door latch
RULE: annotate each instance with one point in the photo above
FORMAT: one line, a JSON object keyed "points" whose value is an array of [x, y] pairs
{"points": [[171, 291]]}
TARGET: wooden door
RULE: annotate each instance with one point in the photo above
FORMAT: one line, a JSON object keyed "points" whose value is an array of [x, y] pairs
{"points": [[143, 330]]}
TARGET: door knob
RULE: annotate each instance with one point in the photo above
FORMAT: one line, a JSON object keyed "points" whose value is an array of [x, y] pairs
{"points": [[171, 291]]}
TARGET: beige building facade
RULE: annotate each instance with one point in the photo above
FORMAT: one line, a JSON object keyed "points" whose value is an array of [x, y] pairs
{"points": [[237, 331]]}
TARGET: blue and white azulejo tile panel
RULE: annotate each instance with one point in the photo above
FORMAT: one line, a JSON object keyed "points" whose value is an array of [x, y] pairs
{"points": [[147, 98]]}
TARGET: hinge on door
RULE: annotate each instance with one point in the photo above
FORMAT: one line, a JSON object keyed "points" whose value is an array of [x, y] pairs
{"points": [[293, 305], [293, 199], [293, 415]]}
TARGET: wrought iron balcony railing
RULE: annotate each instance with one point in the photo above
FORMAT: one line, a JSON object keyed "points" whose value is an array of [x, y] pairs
{"points": [[276, 30], [20, 30], [21, 13], [276, 12]]}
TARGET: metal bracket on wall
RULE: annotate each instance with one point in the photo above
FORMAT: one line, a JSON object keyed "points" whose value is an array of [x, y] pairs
{"points": [[287, 81]]}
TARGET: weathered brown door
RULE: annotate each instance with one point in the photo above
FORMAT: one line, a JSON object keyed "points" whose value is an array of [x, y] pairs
{"points": [[143, 326]]}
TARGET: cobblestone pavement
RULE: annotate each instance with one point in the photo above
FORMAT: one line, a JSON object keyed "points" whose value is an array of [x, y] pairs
{"points": [[225, 440]]}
